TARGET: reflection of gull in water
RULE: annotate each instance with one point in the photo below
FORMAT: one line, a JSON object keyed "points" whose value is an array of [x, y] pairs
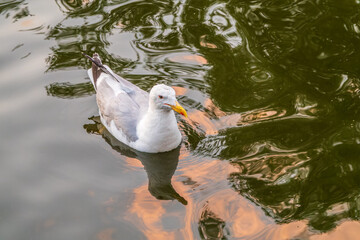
{"points": [[160, 167]]}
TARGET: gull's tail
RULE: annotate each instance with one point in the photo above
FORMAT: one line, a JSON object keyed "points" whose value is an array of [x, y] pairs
{"points": [[96, 68]]}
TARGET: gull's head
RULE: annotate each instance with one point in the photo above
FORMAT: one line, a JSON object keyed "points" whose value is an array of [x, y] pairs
{"points": [[163, 97]]}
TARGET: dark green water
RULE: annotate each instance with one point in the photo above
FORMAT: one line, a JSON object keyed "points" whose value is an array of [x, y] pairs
{"points": [[271, 146]]}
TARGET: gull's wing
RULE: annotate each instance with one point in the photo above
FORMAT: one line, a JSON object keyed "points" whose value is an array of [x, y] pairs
{"points": [[120, 102], [138, 95], [118, 107]]}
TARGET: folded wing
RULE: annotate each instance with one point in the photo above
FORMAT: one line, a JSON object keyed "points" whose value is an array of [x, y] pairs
{"points": [[121, 103]]}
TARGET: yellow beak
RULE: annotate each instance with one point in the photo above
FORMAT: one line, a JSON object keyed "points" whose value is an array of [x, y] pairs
{"points": [[179, 109]]}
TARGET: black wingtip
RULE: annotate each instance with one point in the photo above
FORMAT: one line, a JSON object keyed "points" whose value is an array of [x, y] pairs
{"points": [[90, 58], [97, 67], [95, 59], [85, 55]]}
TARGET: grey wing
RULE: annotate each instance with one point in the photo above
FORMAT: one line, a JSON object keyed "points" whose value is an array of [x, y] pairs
{"points": [[121, 108], [137, 94]]}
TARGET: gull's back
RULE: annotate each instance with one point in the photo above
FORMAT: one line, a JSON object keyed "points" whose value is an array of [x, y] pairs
{"points": [[121, 103]]}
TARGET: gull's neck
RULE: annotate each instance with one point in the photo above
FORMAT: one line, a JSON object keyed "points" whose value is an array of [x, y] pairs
{"points": [[158, 130], [160, 119]]}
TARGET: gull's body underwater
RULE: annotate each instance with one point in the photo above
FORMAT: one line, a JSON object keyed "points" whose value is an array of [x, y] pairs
{"points": [[144, 121]]}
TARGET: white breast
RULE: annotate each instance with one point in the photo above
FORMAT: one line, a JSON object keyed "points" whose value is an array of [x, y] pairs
{"points": [[158, 132]]}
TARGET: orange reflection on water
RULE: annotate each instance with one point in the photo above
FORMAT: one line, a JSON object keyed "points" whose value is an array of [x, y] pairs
{"points": [[179, 90], [205, 43], [209, 104], [291, 230], [206, 124], [133, 162], [190, 59], [151, 215], [224, 210], [187, 216], [242, 218], [345, 231], [27, 23], [208, 169], [148, 214], [261, 115], [349, 230], [204, 176], [217, 119]]}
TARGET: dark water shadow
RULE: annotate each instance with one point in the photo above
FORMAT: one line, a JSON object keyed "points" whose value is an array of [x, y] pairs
{"points": [[160, 167]]}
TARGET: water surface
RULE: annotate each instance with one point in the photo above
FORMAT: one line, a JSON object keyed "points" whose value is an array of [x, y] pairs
{"points": [[271, 145]]}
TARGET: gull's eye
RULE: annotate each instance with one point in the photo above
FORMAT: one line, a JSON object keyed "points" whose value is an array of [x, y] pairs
{"points": [[161, 97]]}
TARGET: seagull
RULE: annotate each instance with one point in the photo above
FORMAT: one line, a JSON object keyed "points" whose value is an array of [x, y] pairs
{"points": [[144, 121]]}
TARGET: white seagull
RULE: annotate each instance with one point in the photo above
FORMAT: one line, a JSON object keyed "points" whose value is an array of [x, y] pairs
{"points": [[141, 120]]}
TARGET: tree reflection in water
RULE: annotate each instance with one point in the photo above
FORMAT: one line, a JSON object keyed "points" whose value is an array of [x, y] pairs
{"points": [[284, 100]]}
